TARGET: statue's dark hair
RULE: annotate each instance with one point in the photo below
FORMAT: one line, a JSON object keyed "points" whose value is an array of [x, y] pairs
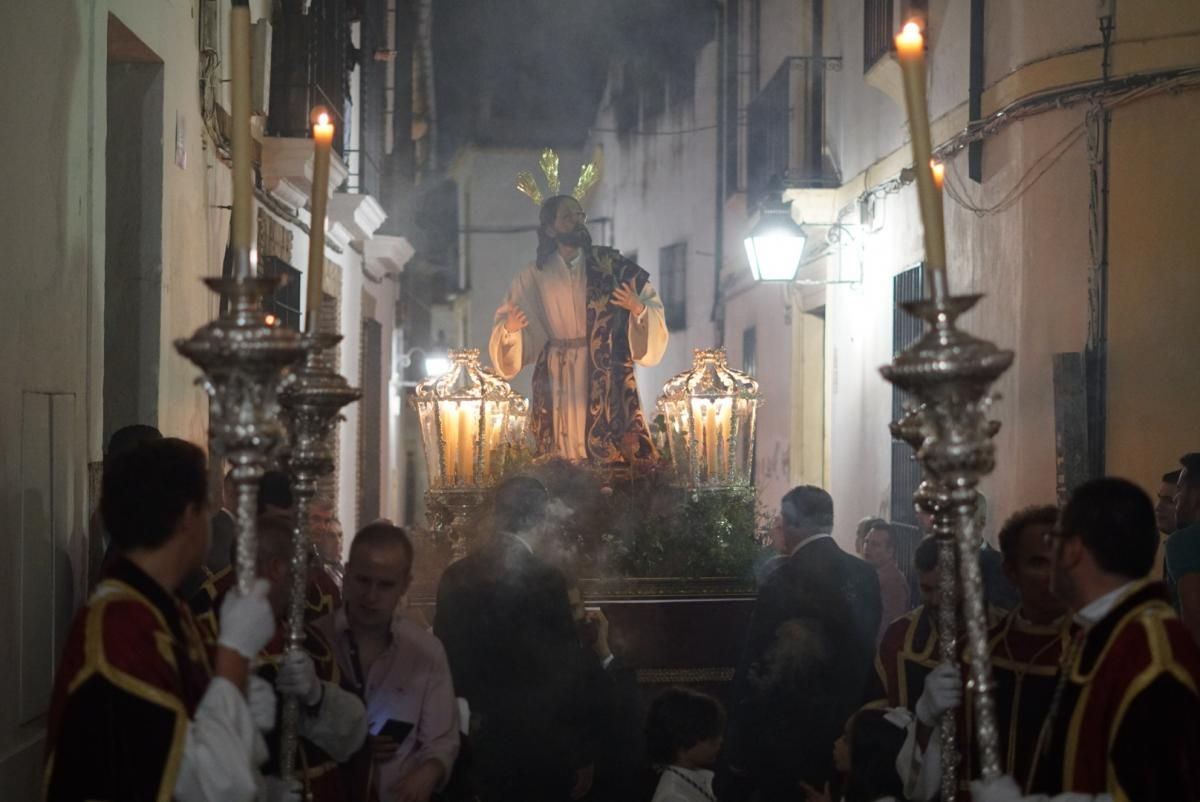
{"points": [[547, 245]]}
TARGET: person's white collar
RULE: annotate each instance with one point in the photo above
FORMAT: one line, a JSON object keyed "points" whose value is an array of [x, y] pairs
{"points": [[808, 540], [1098, 608]]}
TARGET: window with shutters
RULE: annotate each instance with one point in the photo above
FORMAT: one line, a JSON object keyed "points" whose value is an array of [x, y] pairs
{"points": [[672, 280], [750, 350], [284, 302]]}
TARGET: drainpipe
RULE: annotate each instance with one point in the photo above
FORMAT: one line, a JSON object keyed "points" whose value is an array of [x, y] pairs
{"points": [[719, 210], [389, 82], [1096, 353], [425, 37]]}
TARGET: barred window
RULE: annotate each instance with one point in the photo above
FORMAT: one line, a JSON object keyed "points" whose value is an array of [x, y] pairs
{"points": [[672, 270]]}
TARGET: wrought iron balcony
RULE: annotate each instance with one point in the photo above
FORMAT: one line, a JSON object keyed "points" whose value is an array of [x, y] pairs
{"points": [[785, 132], [310, 66]]}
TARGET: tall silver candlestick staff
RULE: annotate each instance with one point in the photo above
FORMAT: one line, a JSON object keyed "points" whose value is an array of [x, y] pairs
{"points": [[931, 498], [312, 408], [950, 373], [243, 359]]}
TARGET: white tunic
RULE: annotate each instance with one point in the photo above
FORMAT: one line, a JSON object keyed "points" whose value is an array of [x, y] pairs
{"points": [[554, 299]]}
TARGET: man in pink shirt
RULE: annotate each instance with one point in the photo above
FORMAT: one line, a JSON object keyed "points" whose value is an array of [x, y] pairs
{"points": [[879, 549], [398, 669]]}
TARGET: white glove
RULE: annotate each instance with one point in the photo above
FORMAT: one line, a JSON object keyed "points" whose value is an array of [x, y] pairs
{"points": [[247, 622], [260, 698], [943, 692], [1004, 789], [298, 677], [998, 789], [277, 789]]}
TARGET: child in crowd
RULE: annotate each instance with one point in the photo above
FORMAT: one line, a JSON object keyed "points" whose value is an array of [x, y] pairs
{"points": [[865, 755], [683, 737]]}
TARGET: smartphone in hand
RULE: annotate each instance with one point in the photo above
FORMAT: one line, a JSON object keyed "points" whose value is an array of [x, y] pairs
{"points": [[396, 730]]}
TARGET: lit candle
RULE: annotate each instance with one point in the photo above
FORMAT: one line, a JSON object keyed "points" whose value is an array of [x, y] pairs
{"points": [[939, 173], [724, 420], [710, 439], [322, 141], [910, 50], [491, 441], [465, 445], [450, 443], [242, 235]]}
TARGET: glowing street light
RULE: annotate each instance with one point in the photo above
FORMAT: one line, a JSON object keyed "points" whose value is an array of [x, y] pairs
{"points": [[775, 244], [436, 365]]}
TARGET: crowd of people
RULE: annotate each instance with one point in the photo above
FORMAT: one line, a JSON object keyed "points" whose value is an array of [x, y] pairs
{"points": [[172, 680]]}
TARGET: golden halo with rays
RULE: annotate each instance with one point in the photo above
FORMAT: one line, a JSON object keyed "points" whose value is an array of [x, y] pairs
{"points": [[589, 174]]}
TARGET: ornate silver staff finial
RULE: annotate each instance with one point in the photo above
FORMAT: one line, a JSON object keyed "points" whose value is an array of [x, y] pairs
{"points": [[243, 360]]}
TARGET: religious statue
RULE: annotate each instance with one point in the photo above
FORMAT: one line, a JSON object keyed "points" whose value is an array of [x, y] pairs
{"points": [[583, 315]]}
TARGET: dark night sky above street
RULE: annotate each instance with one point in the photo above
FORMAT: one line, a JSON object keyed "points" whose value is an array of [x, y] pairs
{"points": [[545, 61]]}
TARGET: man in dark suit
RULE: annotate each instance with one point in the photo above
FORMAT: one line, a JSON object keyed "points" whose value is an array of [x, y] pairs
{"points": [[807, 657], [504, 618]]}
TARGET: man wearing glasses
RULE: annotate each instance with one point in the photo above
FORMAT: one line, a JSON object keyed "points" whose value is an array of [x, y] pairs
{"points": [[1124, 723]]}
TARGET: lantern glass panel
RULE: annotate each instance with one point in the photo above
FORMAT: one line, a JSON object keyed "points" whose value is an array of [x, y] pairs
{"points": [[427, 414], [709, 412], [465, 416]]}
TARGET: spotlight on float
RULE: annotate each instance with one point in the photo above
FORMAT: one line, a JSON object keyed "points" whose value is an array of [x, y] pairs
{"points": [[775, 243]]}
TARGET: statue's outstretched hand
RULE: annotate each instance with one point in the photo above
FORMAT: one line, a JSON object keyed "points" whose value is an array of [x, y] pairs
{"points": [[626, 297], [515, 319]]}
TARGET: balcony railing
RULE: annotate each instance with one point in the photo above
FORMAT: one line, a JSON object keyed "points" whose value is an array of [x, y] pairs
{"points": [[785, 134], [364, 175], [310, 66]]}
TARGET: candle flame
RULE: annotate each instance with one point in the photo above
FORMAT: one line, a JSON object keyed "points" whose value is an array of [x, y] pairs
{"points": [[939, 172], [910, 41], [270, 320], [323, 119]]}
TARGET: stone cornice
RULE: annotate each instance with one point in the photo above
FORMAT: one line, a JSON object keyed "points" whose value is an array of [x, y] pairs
{"points": [[388, 254], [287, 164], [361, 215]]}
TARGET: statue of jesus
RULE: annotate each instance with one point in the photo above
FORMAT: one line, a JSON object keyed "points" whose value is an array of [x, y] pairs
{"points": [[583, 315]]}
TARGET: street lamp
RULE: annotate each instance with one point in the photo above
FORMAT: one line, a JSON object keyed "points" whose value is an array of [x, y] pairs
{"points": [[436, 363], [775, 244]]}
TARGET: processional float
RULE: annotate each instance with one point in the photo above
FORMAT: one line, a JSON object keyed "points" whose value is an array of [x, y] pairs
{"points": [[252, 370], [949, 373]]}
